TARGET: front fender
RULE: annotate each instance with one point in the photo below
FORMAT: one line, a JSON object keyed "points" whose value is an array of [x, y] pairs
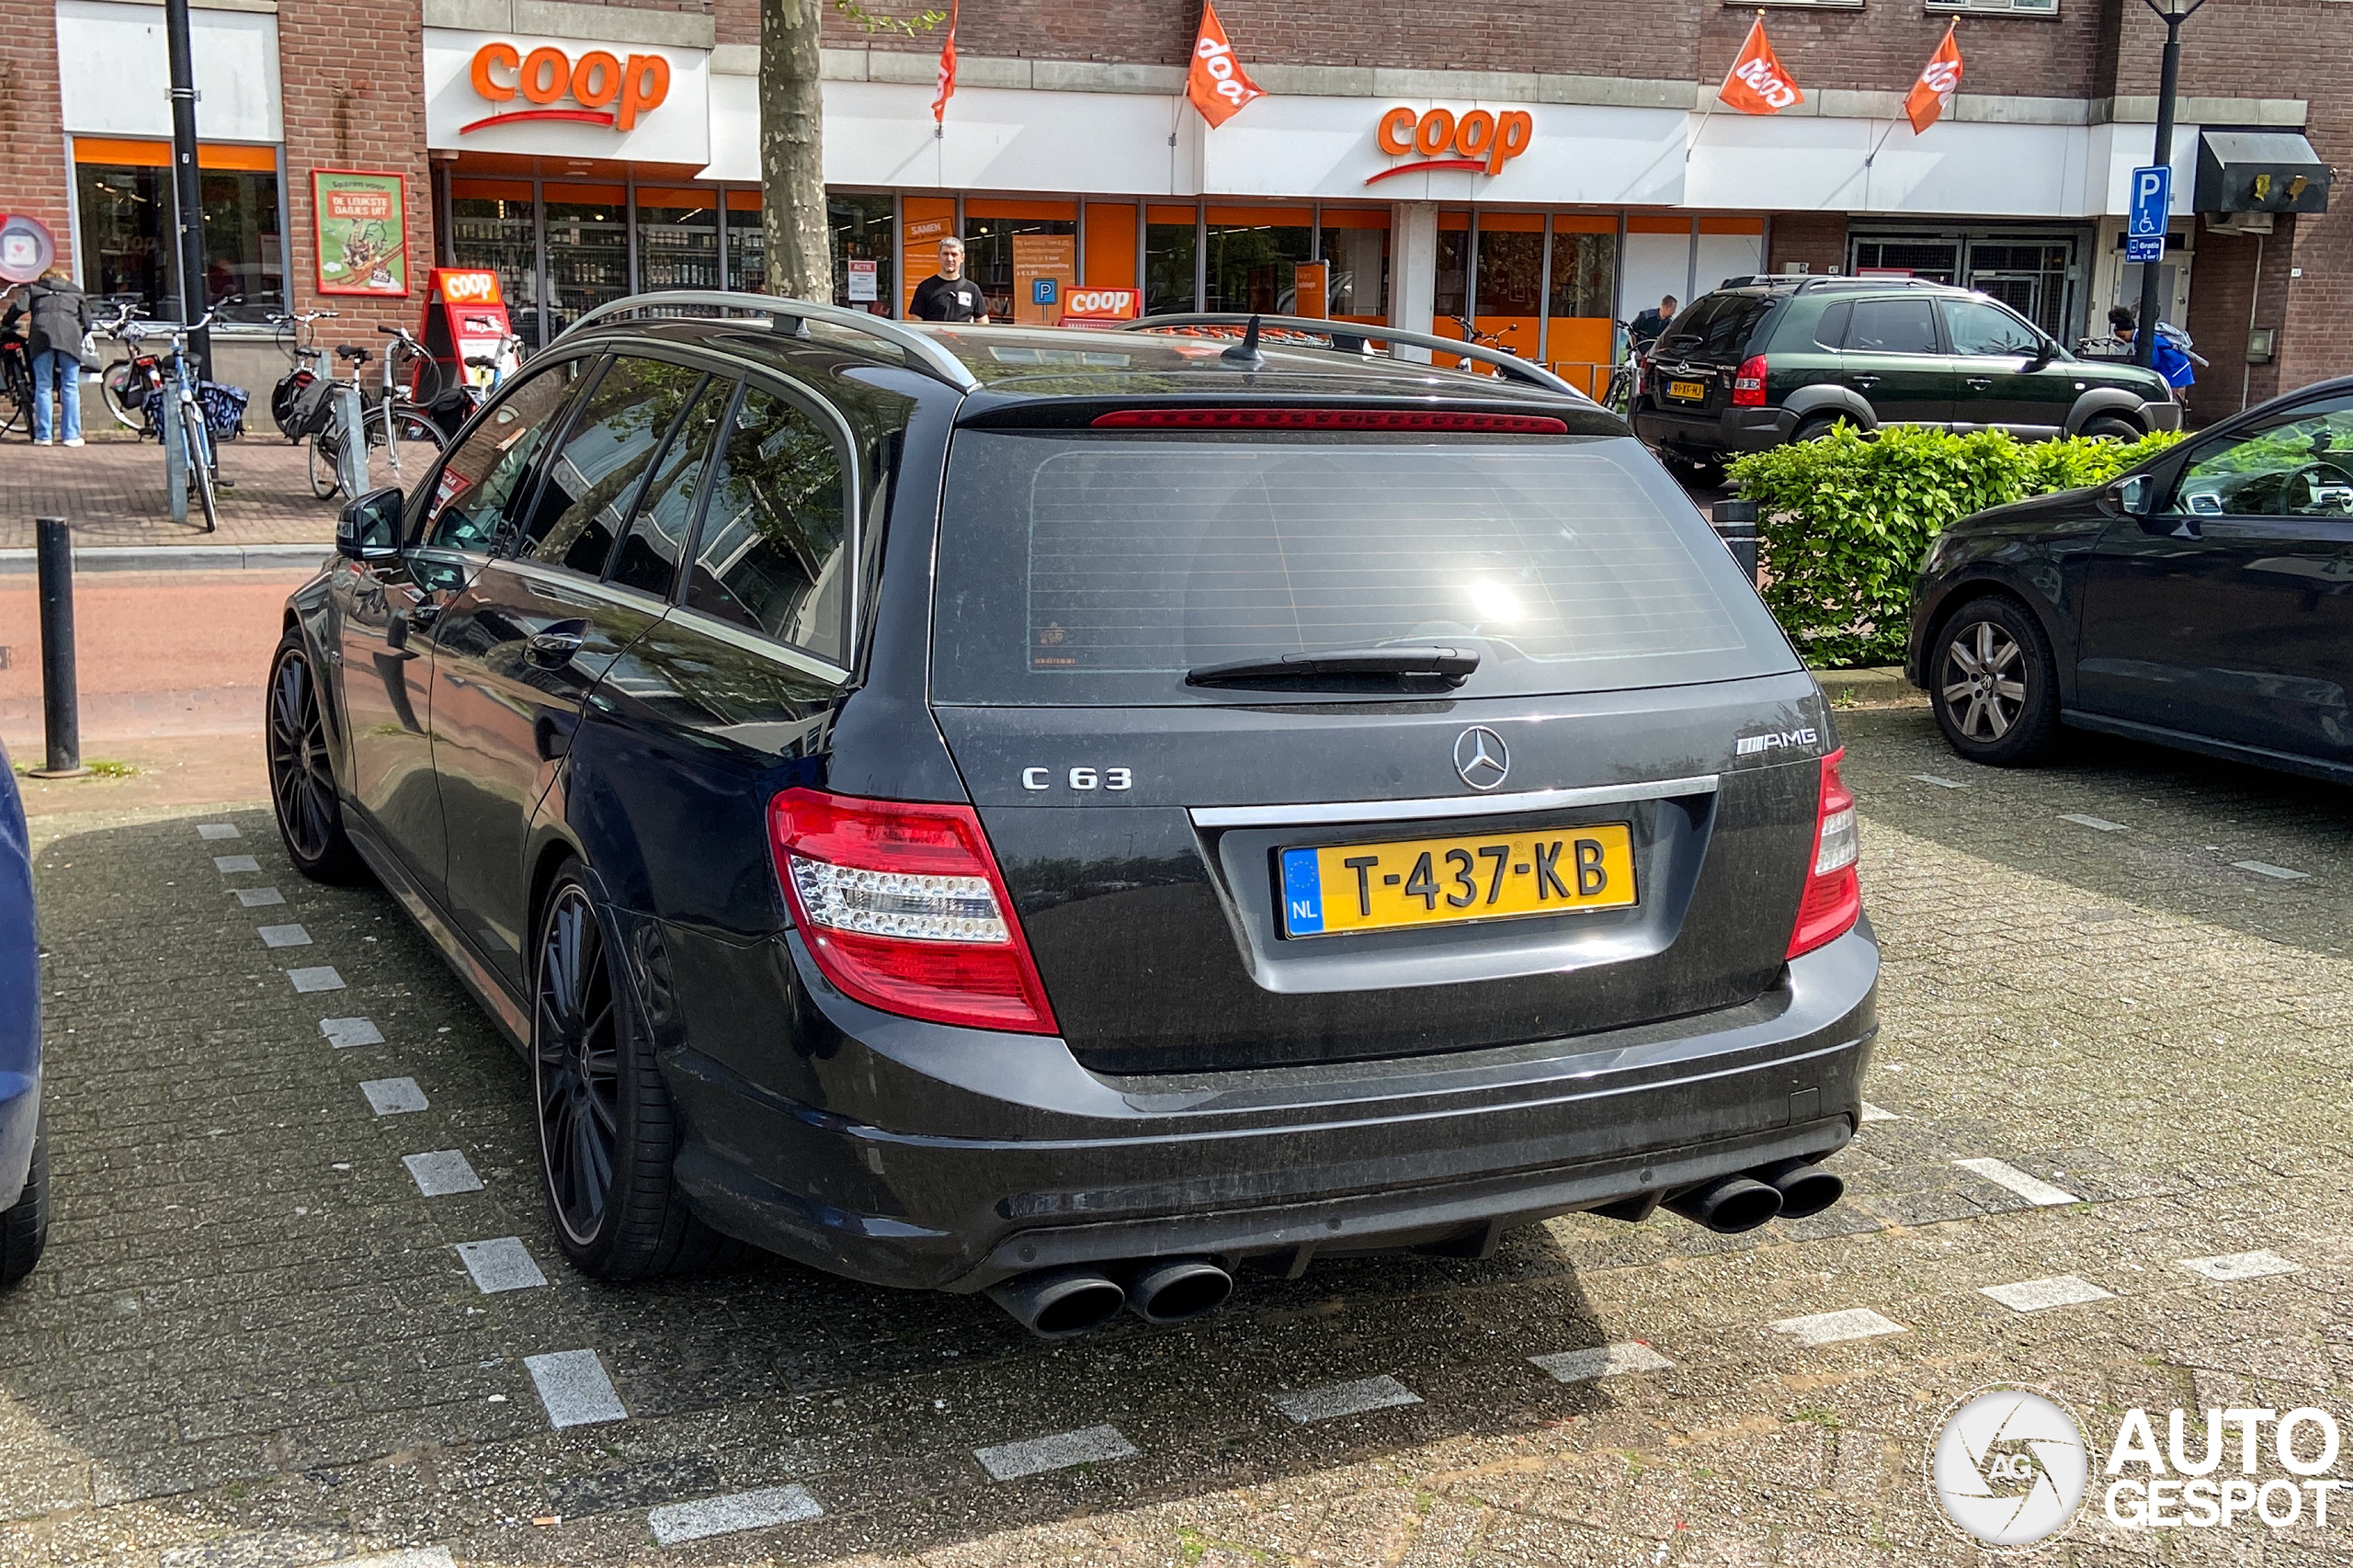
{"points": [[2098, 401], [312, 610]]}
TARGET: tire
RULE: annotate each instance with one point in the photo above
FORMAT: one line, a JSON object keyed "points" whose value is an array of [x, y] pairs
{"points": [[115, 390], [303, 791], [196, 443], [2005, 716], [2111, 427], [1814, 429], [321, 463], [24, 1225], [609, 1132]]}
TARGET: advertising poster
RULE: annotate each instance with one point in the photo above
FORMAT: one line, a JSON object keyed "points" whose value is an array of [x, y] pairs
{"points": [[1311, 289], [363, 235], [924, 222], [1043, 266]]}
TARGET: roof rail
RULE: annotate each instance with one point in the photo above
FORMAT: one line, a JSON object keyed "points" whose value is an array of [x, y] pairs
{"points": [[923, 352], [1356, 337], [1804, 282]]}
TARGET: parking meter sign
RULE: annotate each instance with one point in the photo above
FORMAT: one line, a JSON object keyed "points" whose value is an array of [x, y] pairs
{"points": [[2151, 205]]}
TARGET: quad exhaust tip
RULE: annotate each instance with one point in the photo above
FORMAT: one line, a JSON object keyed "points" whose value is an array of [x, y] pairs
{"points": [[1061, 1303], [1805, 1187], [1728, 1205], [1171, 1290]]}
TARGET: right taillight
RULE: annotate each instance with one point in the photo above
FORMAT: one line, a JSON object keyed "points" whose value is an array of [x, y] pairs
{"points": [[1748, 383], [1834, 895], [904, 909]]}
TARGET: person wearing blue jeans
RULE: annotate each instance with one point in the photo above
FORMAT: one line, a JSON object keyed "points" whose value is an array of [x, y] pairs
{"points": [[60, 316]]}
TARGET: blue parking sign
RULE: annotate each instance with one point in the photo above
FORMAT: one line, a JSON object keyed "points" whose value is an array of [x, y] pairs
{"points": [[1043, 290], [2151, 202]]}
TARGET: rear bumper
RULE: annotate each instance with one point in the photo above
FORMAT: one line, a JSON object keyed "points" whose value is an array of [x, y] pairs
{"points": [[2166, 415], [954, 1158], [1732, 430]]}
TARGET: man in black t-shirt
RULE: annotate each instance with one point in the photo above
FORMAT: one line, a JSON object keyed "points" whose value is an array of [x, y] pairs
{"points": [[949, 295]]}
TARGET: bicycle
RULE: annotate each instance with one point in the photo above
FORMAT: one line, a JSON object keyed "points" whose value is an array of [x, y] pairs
{"points": [[179, 401], [15, 385], [1626, 379], [394, 416], [303, 371]]}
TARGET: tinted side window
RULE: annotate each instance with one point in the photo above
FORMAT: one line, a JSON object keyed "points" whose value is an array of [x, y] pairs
{"points": [[1981, 328], [1717, 327], [657, 534], [1830, 330], [1892, 326], [2298, 463], [480, 484], [770, 557], [590, 481]]}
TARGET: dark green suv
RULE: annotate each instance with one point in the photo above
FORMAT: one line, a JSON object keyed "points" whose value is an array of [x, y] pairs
{"points": [[1773, 359]]}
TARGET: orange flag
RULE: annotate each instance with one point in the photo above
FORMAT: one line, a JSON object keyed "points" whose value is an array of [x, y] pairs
{"points": [[947, 70], [1932, 93], [1756, 84], [1217, 83]]}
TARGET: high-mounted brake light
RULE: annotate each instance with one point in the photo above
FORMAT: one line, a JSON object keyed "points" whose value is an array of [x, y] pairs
{"points": [[1327, 419], [904, 909], [1833, 894], [1748, 383]]}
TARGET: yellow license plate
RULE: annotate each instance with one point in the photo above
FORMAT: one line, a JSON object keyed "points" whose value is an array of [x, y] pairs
{"points": [[1446, 882], [1690, 392]]}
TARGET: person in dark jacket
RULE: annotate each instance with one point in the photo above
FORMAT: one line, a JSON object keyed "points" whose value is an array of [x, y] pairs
{"points": [[60, 318]]}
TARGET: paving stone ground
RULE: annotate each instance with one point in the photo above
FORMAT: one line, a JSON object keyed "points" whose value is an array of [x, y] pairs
{"points": [[112, 491], [255, 1339]]}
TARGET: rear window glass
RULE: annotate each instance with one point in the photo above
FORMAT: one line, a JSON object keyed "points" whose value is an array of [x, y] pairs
{"points": [[1717, 327], [1086, 569]]}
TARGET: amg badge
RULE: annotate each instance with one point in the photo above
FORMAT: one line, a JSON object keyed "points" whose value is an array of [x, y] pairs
{"points": [[1749, 746]]}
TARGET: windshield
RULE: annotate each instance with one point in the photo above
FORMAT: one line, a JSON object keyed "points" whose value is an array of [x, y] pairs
{"points": [[1085, 569], [1717, 327]]}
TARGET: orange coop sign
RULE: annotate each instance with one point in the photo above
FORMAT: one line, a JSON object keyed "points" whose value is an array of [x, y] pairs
{"points": [[599, 88], [1082, 307], [1479, 139], [465, 318]]}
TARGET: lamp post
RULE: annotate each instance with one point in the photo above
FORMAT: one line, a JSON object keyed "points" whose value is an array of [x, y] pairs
{"points": [[2174, 13]]}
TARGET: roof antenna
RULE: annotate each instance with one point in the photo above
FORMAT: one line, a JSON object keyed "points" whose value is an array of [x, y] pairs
{"points": [[1246, 353]]}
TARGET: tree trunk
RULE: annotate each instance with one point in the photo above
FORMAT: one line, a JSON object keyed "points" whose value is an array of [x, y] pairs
{"points": [[798, 261]]}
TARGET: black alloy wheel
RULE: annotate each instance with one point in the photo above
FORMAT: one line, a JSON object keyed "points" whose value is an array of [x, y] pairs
{"points": [[1994, 684], [607, 1129], [301, 771]]}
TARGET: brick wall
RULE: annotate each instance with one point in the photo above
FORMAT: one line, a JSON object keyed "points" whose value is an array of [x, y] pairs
{"points": [[1818, 239], [32, 147], [350, 72], [2225, 297]]}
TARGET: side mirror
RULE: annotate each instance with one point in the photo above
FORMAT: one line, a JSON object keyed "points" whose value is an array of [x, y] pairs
{"points": [[2044, 352], [2135, 494], [370, 528]]}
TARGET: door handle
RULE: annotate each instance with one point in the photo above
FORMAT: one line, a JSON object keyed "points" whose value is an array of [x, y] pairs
{"points": [[1981, 382], [1864, 382], [553, 647]]}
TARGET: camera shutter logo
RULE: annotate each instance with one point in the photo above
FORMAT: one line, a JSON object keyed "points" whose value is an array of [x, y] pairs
{"points": [[2010, 1467]]}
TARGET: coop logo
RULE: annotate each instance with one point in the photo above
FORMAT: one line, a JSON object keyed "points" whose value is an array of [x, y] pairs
{"points": [[2010, 1467], [1772, 740], [468, 288], [1101, 304], [1479, 139], [603, 89]]}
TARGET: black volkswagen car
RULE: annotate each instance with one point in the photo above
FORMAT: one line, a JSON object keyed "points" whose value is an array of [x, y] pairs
{"points": [[2202, 600], [1076, 814]]}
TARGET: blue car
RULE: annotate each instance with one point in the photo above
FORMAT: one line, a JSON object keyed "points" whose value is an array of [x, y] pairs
{"points": [[24, 1142]]}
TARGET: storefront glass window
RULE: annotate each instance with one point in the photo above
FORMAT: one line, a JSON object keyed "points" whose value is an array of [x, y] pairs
{"points": [[122, 225], [245, 254], [990, 231], [1168, 237], [1584, 273], [1356, 245], [1511, 270], [491, 226], [677, 239], [1252, 254], [126, 227], [747, 271], [1452, 302], [588, 240], [865, 229]]}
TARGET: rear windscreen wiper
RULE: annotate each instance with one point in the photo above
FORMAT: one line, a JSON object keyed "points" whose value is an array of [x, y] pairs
{"points": [[1346, 669]]}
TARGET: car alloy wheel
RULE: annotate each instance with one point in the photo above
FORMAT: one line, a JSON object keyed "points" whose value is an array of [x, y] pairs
{"points": [[302, 782], [575, 1059], [1981, 681]]}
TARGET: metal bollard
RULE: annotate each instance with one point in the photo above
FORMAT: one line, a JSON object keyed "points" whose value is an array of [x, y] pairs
{"points": [[1735, 524], [60, 703]]}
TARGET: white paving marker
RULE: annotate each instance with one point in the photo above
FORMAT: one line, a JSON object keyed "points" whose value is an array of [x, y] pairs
{"points": [[255, 898], [2042, 1194], [575, 1388], [218, 830], [1941, 783], [1035, 1456], [503, 1265], [2099, 823], [343, 1032], [441, 1172], [2242, 1266], [2277, 873], [411, 1557], [1829, 1328], [674, 1522], [1602, 1361], [323, 978], [230, 865], [2034, 1295], [1332, 1401], [283, 936], [392, 1097], [1874, 1113]]}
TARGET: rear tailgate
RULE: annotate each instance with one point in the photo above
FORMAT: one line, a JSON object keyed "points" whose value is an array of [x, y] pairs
{"points": [[1691, 367], [1574, 840]]}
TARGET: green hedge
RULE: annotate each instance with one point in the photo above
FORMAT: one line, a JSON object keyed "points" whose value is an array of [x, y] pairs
{"points": [[1844, 522]]}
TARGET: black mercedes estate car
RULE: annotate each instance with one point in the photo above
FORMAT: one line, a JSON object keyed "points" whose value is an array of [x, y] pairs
{"points": [[1075, 815]]}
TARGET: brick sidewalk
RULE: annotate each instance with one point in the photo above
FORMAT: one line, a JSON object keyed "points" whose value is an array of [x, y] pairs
{"points": [[112, 492]]}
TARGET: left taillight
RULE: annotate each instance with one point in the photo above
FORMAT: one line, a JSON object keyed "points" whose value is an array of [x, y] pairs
{"points": [[1833, 894], [904, 909], [1748, 383]]}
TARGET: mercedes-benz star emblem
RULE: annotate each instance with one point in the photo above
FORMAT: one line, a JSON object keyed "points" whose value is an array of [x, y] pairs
{"points": [[1480, 757]]}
